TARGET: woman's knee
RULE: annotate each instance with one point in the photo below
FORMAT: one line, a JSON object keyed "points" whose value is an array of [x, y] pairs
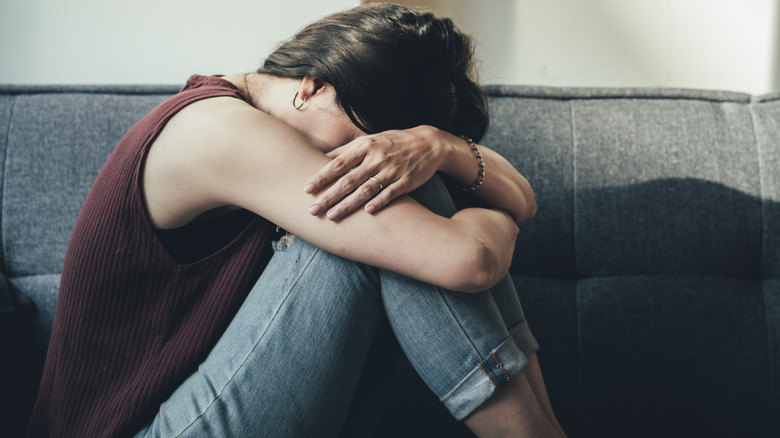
{"points": [[300, 265]]}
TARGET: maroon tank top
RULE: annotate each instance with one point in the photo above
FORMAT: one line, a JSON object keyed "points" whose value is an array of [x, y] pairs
{"points": [[137, 311]]}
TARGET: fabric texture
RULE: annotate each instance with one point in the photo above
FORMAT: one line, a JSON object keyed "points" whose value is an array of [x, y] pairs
{"points": [[653, 263], [654, 238], [649, 273], [132, 322]]}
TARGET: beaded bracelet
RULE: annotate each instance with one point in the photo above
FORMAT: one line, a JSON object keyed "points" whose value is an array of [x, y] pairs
{"points": [[481, 175]]}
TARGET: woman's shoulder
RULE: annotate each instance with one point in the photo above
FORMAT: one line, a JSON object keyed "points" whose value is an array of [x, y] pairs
{"points": [[228, 121], [191, 164]]}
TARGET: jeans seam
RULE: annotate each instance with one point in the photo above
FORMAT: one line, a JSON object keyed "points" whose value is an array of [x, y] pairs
{"points": [[495, 371], [442, 295], [497, 377], [243, 363]]}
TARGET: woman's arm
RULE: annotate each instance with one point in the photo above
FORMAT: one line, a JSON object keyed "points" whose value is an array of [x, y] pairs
{"points": [[404, 160], [502, 187], [221, 152]]}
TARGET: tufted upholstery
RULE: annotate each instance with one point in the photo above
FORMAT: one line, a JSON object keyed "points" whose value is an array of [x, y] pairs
{"points": [[665, 215], [650, 276], [650, 273]]}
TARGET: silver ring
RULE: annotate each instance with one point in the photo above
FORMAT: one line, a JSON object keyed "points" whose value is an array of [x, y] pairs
{"points": [[379, 183]]}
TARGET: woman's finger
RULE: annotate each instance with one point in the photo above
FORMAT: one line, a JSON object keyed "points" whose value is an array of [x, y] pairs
{"points": [[332, 171], [369, 189], [386, 196], [338, 151], [345, 185], [336, 193]]}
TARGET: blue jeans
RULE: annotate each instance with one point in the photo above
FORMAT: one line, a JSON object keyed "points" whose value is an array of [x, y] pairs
{"points": [[289, 363]]}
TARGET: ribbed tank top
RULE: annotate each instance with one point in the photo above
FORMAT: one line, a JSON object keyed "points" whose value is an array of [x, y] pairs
{"points": [[132, 322]]}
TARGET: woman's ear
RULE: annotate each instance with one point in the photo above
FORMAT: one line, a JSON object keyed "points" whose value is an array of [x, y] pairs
{"points": [[310, 86]]}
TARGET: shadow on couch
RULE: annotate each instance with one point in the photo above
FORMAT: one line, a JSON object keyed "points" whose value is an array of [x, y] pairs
{"points": [[669, 327], [668, 324]]}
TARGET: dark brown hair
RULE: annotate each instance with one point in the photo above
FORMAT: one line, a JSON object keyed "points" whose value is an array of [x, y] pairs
{"points": [[392, 68]]}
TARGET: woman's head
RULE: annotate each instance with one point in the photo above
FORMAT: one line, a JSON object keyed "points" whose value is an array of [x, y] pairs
{"points": [[391, 67]]}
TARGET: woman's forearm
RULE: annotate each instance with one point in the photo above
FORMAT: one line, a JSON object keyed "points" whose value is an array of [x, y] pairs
{"points": [[401, 161], [227, 163], [502, 186]]}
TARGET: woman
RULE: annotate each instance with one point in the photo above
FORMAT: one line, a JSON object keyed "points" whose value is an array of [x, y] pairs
{"points": [[163, 327]]}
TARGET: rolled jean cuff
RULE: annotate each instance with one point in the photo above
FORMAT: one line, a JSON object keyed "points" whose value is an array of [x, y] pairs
{"points": [[524, 339], [500, 365]]}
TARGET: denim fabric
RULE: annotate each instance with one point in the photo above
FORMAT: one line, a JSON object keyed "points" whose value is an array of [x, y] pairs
{"points": [[290, 361]]}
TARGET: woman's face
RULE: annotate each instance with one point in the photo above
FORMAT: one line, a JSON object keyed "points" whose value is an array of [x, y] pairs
{"points": [[332, 130]]}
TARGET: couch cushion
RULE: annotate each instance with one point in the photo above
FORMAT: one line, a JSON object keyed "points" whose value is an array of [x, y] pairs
{"points": [[681, 353], [42, 290], [56, 144], [535, 135], [19, 366], [659, 209], [551, 307], [766, 119], [54, 140], [6, 105], [666, 187]]}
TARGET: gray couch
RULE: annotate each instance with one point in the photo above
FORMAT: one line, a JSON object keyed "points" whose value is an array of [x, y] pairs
{"points": [[651, 274]]}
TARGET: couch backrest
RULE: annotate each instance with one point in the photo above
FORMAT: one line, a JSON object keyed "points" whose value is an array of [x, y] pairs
{"points": [[53, 141], [650, 274]]}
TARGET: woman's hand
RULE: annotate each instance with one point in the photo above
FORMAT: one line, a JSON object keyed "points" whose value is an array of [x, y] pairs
{"points": [[375, 169]]}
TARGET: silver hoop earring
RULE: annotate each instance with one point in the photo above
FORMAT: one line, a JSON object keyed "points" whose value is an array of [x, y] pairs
{"points": [[298, 107]]}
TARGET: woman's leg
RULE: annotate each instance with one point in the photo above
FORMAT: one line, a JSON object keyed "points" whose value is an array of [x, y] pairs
{"points": [[534, 373], [513, 411], [475, 351], [509, 304], [288, 364]]}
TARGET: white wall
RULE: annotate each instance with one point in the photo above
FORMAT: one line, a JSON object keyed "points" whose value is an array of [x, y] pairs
{"points": [[723, 44], [144, 41]]}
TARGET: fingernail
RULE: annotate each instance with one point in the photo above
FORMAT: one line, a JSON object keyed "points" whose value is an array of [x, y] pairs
{"points": [[308, 188], [370, 209], [333, 214], [314, 209]]}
